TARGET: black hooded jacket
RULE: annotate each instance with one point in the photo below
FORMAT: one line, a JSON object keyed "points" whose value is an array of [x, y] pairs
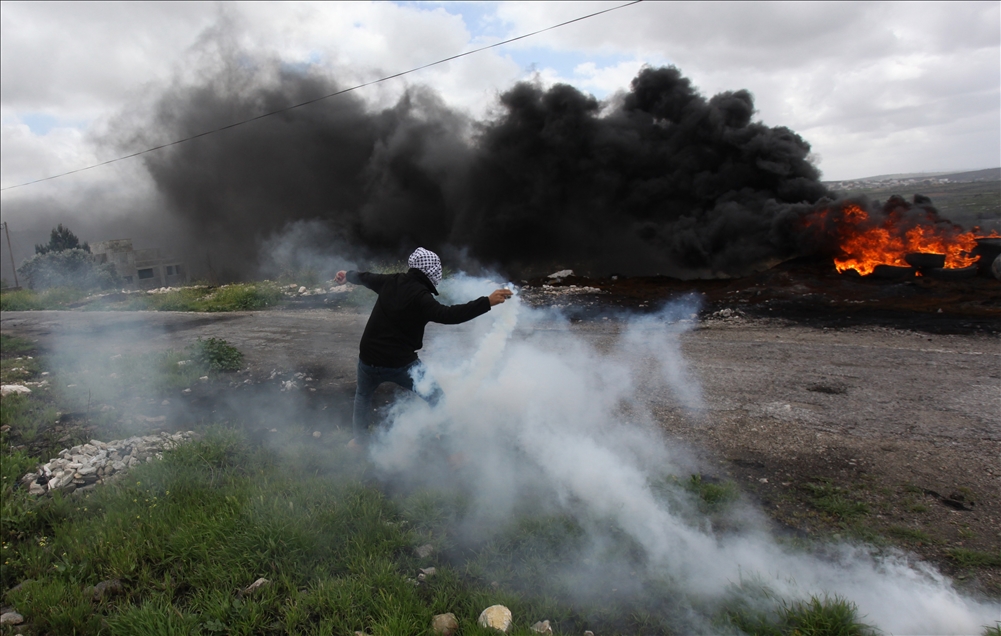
{"points": [[406, 304]]}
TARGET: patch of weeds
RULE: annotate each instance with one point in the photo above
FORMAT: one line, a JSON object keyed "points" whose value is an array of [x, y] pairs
{"points": [[242, 297], [828, 617], [974, 558], [914, 506], [714, 495], [992, 631], [12, 346], [833, 500], [217, 354], [31, 300], [26, 416], [909, 534], [184, 299]]}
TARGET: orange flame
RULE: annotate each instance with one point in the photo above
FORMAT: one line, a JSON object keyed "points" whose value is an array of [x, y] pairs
{"points": [[865, 248]]}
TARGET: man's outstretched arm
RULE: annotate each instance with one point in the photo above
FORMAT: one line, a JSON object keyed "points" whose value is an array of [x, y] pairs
{"points": [[372, 281]]}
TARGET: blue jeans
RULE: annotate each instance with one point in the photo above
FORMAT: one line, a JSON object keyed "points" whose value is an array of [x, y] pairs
{"points": [[369, 379]]}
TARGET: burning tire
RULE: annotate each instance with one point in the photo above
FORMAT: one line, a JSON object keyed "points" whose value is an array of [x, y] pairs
{"points": [[892, 272], [924, 260], [996, 267], [953, 273]]}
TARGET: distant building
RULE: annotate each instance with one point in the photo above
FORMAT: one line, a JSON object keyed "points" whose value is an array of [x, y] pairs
{"points": [[143, 269]]}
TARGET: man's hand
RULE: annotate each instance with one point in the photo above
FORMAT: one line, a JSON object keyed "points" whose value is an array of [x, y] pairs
{"points": [[499, 296], [340, 277]]}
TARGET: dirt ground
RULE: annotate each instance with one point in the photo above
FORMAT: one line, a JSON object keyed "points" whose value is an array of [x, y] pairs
{"points": [[860, 411]]}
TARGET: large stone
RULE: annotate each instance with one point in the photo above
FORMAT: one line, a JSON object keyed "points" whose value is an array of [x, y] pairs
{"points": [[424, 551], [542, 627], [496, 617], [105, 589], [11, 618], [445, 624]]}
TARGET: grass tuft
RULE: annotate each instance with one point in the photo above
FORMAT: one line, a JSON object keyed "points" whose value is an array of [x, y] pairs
{"points": [[31, 300], [833, 500], [975, 558], [217, 354]]}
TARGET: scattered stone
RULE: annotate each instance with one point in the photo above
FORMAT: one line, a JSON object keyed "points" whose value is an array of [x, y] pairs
{"points": [[445, 624], [11, 618], [204, 378], [496, 617], [428, 571], [104, 588], [588, 633], [259, 583], [165, 403], [425, 550], [542, 627], [563, 273], [317, 434], [186, 391], [18, 389]]}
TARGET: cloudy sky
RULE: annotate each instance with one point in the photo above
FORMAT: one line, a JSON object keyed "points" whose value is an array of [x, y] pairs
{"points": [[875, 87]]}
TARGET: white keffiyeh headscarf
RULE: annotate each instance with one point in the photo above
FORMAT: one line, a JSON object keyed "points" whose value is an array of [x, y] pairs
{"points": [[428, 262]]}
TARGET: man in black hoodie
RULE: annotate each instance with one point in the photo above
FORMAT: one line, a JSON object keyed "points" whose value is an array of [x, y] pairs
{"points": [[395, 329]]}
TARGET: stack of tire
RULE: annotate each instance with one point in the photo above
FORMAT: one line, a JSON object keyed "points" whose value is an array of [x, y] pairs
{"points": [[989, 250]]}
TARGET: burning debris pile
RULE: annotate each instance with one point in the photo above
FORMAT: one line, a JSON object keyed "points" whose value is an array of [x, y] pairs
{"points": [[897, 240]]}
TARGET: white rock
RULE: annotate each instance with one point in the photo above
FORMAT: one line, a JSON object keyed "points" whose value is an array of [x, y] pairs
{"points": [[261, 582], [563, 273], [542, 627], [18, 389], [445, 624], [302, 290], [11, 618], [496, 617]]}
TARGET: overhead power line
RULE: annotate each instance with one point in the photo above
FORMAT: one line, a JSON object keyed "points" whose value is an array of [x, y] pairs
{"points": [[319, 99]]}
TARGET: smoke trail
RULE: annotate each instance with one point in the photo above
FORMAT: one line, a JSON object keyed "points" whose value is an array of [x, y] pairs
{"points": [[658, 179], [547, 422]]}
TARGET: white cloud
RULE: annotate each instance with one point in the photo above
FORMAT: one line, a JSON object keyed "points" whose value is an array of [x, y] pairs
{"points": [[897, 80]]}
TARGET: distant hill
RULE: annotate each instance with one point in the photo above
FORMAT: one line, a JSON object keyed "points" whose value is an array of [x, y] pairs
{"points": [[989, 174], [971, 199]]}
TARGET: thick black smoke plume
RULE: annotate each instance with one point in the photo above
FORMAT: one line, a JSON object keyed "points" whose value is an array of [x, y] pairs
{"points": [[656, 180]]}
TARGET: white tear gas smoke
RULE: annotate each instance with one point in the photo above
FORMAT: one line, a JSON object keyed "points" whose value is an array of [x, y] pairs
{"points": [[543, 419]]}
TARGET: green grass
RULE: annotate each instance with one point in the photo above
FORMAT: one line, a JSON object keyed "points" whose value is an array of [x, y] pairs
{"points": [[909, 534], [186, 535], [30, 300], [815, 617], [236, 297], [713, 495], [216, 354], [14, 346], [975, 558], [834, 500]]}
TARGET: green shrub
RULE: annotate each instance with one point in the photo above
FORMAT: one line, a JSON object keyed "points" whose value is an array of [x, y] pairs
{"points": [[68, 268], [217, 354], [242, 297]]}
